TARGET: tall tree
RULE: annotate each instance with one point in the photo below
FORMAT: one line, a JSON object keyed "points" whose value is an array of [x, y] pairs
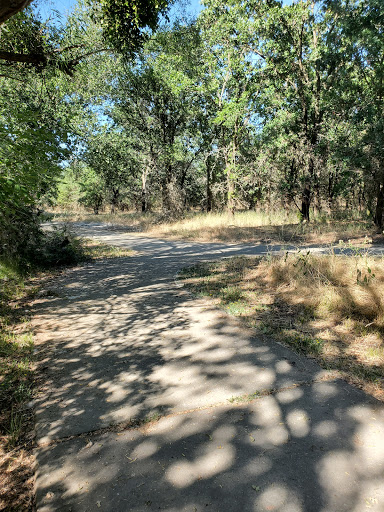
{"points": [[231, 81], [155, 99]]}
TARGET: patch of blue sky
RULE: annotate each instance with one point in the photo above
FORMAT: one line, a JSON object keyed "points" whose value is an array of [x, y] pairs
{"points": [[60, 9]]}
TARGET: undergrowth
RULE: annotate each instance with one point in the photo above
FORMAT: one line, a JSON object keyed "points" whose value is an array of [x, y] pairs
{"points": [[16, 388]]}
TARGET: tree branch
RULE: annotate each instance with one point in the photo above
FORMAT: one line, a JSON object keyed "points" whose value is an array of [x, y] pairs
{"points": [[10, 7], [22, 57], [67, 66]]}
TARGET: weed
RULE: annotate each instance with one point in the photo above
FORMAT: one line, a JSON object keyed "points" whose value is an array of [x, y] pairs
{"points": [[156, 416], [236, 308], [244, 398], [231, 294], [304, 344], [15, 428]]}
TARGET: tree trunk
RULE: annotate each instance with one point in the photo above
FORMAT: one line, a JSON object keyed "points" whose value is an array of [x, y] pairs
{"points": [[305, 203], [378, 220], [209, 180], [144, 175], [231, 166], [115, 199]]}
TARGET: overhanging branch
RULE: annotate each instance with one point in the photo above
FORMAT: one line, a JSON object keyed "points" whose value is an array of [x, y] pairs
{"points": [[10, 7], [65, 65]]}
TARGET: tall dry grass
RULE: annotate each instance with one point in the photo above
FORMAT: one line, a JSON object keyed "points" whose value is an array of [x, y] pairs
{"points": [[332, 287], [277, 226]]}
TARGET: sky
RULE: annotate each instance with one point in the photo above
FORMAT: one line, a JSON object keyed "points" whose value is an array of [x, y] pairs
{"points": [[64, 7]]}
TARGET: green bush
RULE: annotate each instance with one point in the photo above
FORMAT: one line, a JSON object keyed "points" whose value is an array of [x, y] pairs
{"points": [[24, 244]]}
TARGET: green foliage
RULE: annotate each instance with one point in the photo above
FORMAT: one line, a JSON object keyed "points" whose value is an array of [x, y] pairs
{"points": [[155, 104], [126, 24], [92, 189], [241, 109], [68, 190]]}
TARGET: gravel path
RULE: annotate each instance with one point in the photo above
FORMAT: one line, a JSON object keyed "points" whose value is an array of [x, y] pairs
{"points": [[121, 343]]}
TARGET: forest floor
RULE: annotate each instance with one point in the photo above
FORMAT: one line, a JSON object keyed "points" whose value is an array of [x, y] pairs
{"points": [[243, 227], [152, 398]]}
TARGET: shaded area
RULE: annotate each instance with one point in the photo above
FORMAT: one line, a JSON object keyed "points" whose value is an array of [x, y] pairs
{"points": [[121, 340], [315, 448], [124, 341]]}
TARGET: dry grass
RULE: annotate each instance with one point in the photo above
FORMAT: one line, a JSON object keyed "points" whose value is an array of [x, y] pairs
{"points": [[249, 226], [16, 383], [95, 250], [328, 307], [17, 479]]}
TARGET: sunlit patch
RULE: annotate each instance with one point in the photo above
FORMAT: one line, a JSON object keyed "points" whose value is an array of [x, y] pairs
{"points": [[278, 499], [298, 423], [217, 355], [267, 412], [369, 441], [283, 367], [216, 460], [267, 358], [144, 450], [277, 435], [325, 390], [325, 429], [289, 395], [337, 476]]}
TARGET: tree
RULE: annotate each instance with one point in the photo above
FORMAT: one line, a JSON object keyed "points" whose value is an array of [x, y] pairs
{"points": [[112, 164], [29, 43], [155, 100], [231, 82], [125, 26], [361, 27]]}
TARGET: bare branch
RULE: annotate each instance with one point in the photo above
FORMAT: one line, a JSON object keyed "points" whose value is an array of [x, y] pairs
{"points": [[67, 66]]}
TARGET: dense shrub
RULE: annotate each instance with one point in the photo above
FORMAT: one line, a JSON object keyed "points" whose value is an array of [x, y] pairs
{"points": [[24, 242]]}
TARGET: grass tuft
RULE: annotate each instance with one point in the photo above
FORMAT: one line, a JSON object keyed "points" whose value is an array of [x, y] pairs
{"points": [[241, 399]]}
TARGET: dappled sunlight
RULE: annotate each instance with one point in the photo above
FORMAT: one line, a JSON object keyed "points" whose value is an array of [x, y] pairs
{"points": [[298, 423], [329, 308], [152, 399], [270, 454], [278, 498], [135, 346]]}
